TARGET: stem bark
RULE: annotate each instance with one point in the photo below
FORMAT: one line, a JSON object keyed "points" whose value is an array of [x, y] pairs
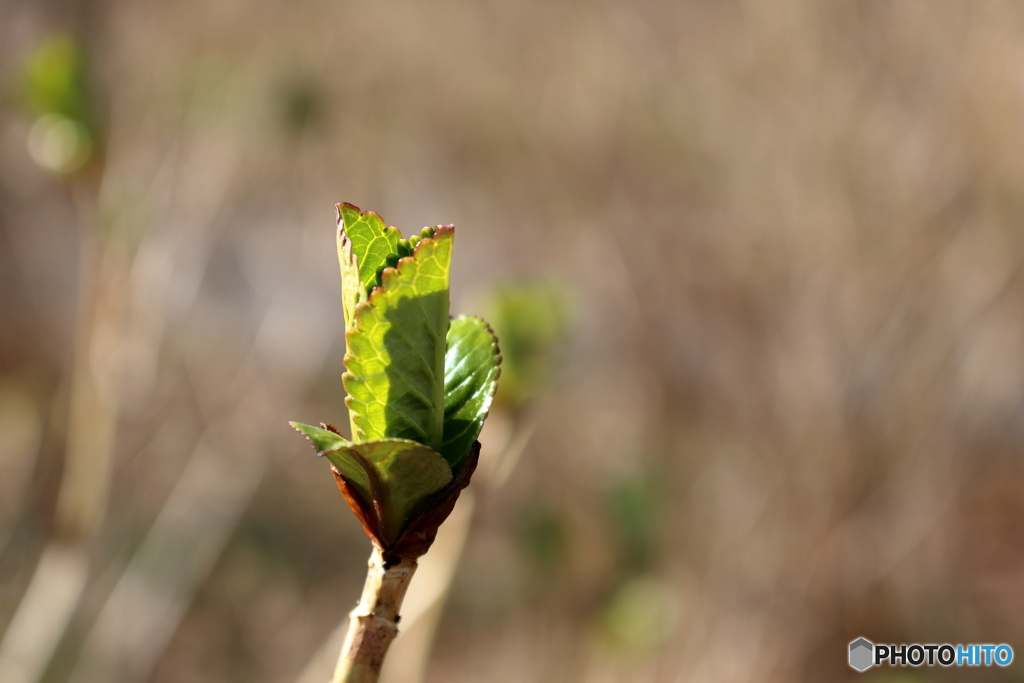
{"points": [[373, 624]]}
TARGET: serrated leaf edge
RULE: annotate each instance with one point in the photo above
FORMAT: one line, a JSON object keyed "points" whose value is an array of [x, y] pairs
{"points": [[354, 260]]}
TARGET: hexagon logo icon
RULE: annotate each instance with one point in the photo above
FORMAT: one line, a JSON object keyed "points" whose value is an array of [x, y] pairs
{"points": [[862, 654]]}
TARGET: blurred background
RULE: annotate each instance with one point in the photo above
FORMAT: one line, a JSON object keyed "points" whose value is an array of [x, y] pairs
{"points": [[755, 266]]}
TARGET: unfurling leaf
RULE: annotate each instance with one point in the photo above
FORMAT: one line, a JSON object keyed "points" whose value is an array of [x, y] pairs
{"points": [[471, 369], [396, 350], [387, 478]]}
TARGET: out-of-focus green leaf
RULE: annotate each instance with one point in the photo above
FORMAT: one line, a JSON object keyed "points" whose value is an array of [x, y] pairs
{"points": [[396, 350], [302, 104], [531, 321], [544, 537], [54, 80], [391, 479], [634, 506], [64, 134], [639, 616], [471, 368]]}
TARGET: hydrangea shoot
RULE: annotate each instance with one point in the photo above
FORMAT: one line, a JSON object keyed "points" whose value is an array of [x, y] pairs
{"points": [[419, 386]]}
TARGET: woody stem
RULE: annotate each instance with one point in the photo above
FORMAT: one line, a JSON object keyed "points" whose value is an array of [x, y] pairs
{"points": [[373, 624]]}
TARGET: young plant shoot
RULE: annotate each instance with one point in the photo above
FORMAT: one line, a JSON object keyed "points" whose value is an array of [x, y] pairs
{"points": [[419, 386]]}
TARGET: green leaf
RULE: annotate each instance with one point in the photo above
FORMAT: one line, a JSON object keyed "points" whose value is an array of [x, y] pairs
{"points": [[54, 80], [365, 242], [396, 349], [323, 440], [471, 370], [390, 479], [353, 292], [532, 321], [395, 477]]}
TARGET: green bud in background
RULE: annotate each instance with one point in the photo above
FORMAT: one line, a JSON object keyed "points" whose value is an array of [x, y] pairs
{"points": [[63, 136]]}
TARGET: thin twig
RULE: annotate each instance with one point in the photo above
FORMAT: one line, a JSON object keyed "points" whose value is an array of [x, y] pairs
{"points": [[373, 624]]}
